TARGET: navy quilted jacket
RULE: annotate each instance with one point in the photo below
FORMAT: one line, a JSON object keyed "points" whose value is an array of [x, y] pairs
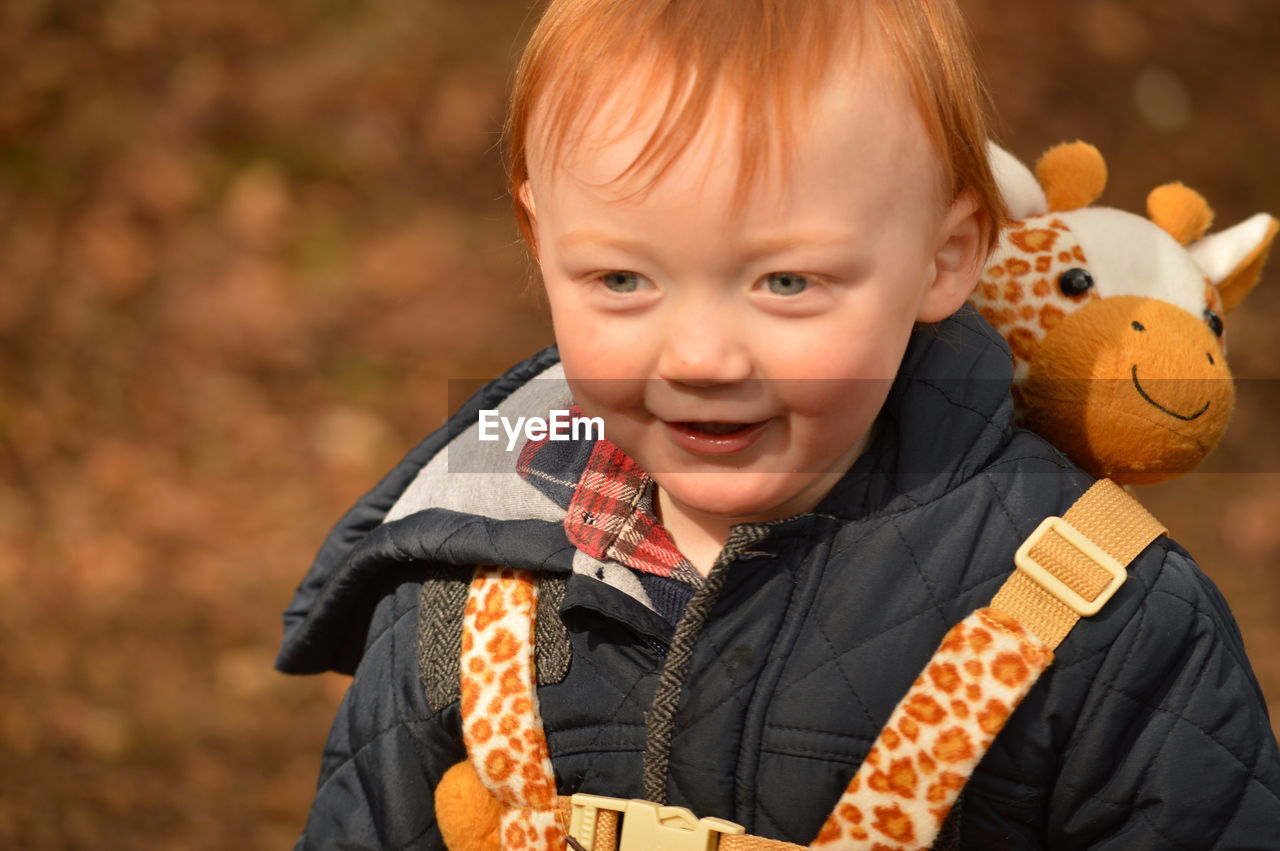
{"points": [[1149, 730]]}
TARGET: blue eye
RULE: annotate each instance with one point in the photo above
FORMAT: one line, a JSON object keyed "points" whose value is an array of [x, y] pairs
{"points": [[621, 282], [786, 283]]}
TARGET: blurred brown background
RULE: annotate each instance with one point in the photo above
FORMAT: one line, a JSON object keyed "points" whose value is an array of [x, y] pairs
{"points": [[243, 245]]}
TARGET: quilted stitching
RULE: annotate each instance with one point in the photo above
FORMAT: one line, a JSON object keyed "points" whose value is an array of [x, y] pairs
{"points": [[829, 677]]}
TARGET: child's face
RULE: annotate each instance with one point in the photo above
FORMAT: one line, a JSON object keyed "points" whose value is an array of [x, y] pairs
{"points": [[741, 352]]}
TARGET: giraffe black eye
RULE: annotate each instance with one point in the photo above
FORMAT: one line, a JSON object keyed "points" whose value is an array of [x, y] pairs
{"points": [[1215, 322], [1075, 282]]}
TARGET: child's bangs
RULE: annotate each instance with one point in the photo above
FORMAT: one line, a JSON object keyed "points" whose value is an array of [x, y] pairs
{"points": [[761, 58]]}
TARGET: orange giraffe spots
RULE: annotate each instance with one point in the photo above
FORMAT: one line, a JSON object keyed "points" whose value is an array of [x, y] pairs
{"points": [[505, 742], [1050, 316], [1017, 266], [1023, 343], [891, 739], [902, 782], [831, 831], [946, 784], [925, 709], [899, 780], [851, 814], [1010, 669], [503, 647], [954, 640], [908, 727], [499, 765], [992, 719], [938, 732], [953, 745], [510, 684], [894, 823], [945, 676], [1034, 240], [491, 610], [1019, 292]]}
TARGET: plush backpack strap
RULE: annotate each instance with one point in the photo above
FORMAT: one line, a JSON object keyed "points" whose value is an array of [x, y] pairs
{"points": [[1071, 565], [1067, 569], [501, 724], [900, 796]]}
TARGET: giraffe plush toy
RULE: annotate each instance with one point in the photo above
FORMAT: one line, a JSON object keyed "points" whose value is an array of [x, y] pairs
{"points": [[1115, 321]]}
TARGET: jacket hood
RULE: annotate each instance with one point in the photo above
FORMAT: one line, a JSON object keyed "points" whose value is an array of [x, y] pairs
{"points": [[458, 500]]}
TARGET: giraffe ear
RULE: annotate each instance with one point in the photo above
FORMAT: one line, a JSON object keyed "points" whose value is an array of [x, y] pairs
{"points": [[1018, 186], [1233, 258], [1073, 175]]}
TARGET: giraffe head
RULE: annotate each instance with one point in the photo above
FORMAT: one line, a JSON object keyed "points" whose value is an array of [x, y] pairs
{"points": [[1115, 321]]}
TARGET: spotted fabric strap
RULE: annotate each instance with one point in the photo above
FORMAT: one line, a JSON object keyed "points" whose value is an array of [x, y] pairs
{"points": [[910, 779], [501, 724], [936, 736], [986, 664]]}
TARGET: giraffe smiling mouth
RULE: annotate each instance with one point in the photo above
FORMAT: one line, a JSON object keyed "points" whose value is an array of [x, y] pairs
{"points": [[1133, 371]]}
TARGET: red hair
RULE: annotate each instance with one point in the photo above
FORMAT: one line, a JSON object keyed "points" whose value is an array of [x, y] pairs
{"points": [[768, 54]]}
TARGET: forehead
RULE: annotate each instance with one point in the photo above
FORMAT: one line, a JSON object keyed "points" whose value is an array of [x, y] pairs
{"points": [[856, 125]]}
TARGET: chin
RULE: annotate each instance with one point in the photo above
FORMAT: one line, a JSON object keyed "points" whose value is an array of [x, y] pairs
{"points": [[736, 496]]}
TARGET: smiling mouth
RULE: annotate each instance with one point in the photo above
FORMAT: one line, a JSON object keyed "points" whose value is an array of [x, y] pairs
{"points": [[716, 429], [716, 437], [1133, 371]]}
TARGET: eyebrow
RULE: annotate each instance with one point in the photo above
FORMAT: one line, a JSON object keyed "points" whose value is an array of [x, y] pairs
{"points": [[755, 250], [594, 237]]}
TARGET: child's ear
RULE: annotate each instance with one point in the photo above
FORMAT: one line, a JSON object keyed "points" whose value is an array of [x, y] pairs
{"points": [[526, 198], [958, 259]]}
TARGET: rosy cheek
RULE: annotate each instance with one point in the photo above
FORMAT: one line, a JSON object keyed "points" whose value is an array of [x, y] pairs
{"points": [[598, 357]]}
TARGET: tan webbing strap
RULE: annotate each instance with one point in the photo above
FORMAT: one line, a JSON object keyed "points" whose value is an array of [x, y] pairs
{"points": [[606, 827], [1067, 569], [604, 834], [1111, 520], [746, 842]]}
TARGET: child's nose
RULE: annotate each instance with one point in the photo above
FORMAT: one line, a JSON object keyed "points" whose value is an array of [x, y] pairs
{"points": [[702, 350]]}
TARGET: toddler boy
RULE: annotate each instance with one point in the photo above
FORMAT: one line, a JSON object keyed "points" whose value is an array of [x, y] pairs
{"points": [[755, 222]]}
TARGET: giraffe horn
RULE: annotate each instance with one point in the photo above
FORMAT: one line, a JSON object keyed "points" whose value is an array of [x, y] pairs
{"points": [[1180, 211], [1073, 175]]}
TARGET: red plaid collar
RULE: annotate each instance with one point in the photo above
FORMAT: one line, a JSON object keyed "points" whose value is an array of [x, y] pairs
{"points": [[611, 516], [609, 512]]}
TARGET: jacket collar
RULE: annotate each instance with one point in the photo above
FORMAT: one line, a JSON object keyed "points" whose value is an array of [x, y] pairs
{"points": [[456, 499]]}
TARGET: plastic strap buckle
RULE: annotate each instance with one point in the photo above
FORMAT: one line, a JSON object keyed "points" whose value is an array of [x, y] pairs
{"points": [[1055, 586], [647, 826]]}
